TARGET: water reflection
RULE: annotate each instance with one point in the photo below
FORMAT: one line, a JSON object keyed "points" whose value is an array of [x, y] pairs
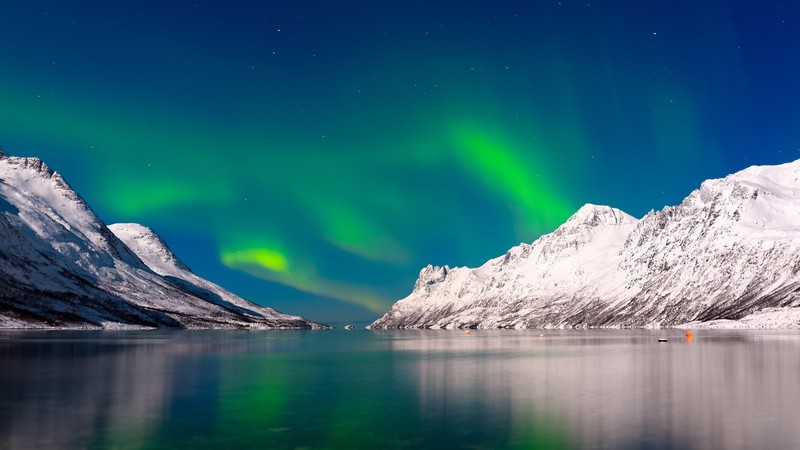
{"points": [[81, 389], [607, 390], [56, 394], [506, 389]]}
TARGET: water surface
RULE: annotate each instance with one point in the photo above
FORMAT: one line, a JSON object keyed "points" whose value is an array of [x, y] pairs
{"points": [[412, 389]]}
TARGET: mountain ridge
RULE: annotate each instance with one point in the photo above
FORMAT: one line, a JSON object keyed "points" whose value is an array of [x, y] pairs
{"points": [[61, 266], [730, 249]]}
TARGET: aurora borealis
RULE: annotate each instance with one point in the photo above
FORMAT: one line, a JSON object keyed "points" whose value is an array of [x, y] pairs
{"points": [[313, 156]]}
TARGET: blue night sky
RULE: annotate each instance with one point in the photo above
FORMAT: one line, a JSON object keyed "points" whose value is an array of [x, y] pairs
{"points": [[313, 156]]}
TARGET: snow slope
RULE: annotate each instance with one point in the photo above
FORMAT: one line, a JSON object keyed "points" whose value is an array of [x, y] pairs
{"points": [[730, 249], [60, 266], [155, 253]]}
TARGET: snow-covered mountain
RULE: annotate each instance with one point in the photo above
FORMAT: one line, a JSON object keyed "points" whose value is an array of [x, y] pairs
{"points": [[60, 266], [731, 249]]}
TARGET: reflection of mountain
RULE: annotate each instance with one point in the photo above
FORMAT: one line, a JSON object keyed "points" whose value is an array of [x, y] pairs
{"points": [[599, 391], [119, 389], [97, 388], [198, 389], [61, 266], [730, 249], [81, 389]]}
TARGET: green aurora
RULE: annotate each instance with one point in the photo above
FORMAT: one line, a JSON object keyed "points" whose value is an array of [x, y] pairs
{"points": [[314, 160]]}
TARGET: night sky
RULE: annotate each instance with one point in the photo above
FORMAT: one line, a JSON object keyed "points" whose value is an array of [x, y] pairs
{"points": [[313, 156]]}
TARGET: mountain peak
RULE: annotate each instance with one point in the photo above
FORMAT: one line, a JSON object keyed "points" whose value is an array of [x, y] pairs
{"points": [[594, 215], [2, 153], [149, 247], [772, 178], [431, 275], [33, 164], [792, 167], [61, 266], [730, 249], [751, 190]]}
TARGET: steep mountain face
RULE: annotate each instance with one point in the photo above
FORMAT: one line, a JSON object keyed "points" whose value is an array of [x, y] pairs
{"points": [[155, 253], [730, 249], [60, 266]]}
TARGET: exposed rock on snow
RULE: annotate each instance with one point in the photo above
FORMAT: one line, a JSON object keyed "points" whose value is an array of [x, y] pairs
{"points": [[768, 318], [730, 249], [60, 266]]}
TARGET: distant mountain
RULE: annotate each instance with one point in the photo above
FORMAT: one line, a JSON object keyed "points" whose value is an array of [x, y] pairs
{"points": [[60, 266], [729, 251]]}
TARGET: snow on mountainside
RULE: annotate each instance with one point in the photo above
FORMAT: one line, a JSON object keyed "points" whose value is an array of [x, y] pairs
{"points": [[729, 250], [155, 253], [60, 266]]}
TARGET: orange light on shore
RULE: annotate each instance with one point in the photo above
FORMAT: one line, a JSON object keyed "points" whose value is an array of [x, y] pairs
{"points": [[688, 336]]}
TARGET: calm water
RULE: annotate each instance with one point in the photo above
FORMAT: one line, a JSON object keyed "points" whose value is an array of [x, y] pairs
{"points": [[362, 389]]}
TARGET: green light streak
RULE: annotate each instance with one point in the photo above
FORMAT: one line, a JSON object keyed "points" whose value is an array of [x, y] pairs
{"points": [[134, 198], [354, 233], [345, 204], [271, 265], [264, 257], [150, 173], [521, 180]]}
